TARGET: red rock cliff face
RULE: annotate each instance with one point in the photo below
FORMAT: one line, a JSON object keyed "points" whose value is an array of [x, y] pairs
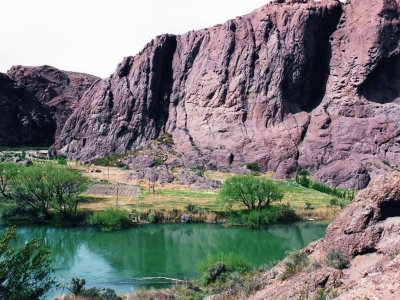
{"points": [[295, 84], [36, 102]]}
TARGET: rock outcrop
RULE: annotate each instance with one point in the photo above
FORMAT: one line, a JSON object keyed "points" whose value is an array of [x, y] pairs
{"points": [[367, 232], [294, 84], [36, 102]]}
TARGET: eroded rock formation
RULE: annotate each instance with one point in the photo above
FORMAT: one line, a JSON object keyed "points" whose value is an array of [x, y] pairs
{"points": [[35, 103], [294, 84]]}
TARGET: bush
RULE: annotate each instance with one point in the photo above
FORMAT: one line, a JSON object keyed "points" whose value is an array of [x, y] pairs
{"points": [[191, 208], [337, 259], [76, 286], [111, 219], [25, 273], [259, 219], [295, 261], [304, 181], [253, 167], [309, 206], [303, 172], [216, 268], [252, 192], [152, 217]]}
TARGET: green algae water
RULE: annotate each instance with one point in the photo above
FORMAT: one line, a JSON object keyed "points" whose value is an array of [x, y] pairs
{"points": [[117, 259]]}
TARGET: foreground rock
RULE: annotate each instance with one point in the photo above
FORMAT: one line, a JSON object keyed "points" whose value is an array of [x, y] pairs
{"points": [[289, 86], [35, 103], [368, 233]]}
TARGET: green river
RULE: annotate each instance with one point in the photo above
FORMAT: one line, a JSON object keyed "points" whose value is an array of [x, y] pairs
{"points": [[115, 259]]}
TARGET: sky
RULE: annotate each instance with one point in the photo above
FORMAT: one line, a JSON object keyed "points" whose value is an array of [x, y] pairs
{"points": [[93, 36]]}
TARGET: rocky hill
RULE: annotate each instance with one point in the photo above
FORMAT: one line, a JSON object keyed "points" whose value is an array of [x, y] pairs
{"points": [[367, 235], [296, 84], [36, 102]]}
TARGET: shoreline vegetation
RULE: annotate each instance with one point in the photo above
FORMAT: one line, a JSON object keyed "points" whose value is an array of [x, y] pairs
{"points": [[56, 193], [61, 193]]}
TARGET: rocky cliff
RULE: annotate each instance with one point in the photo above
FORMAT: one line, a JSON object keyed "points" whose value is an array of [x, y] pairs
{"points": [[36, 102], [294, 84], [367, 233]]}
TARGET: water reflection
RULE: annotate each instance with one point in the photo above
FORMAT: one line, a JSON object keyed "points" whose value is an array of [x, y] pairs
{"points": [[115, 259]]}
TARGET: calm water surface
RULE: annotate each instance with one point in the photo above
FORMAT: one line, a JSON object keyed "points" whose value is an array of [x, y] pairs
{"points": [[114, 260]]}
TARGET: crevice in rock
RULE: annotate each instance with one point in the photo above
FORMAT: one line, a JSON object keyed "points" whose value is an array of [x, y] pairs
{"points": [[383, 83], [366, 251], [389, 209], [161, 83], [304, 84]]}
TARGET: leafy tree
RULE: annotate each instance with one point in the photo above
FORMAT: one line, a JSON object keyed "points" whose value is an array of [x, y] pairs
{"points": [[253, 192], [25, 273], [41, 187], [8, 174], [31, 190], [66, 186]]}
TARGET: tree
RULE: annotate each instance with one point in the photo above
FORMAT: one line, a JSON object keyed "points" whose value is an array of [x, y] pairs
{"points": [[41, 187], [8, 174], [25, 273], [253, 192], [66, 186], [31, 190]]}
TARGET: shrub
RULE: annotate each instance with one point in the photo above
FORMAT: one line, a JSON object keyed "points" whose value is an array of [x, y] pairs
{"points": [[191, 208], [303, 172], [334, 202], [252, 192], [111, 219], [295, 261], [309, 206], [25, 272], [217, 267], [304, 181], [337, 259], [259, 219], [166, 139], [212, 167], [253, 167], [62, 161], [76, 286], [152, 217]]}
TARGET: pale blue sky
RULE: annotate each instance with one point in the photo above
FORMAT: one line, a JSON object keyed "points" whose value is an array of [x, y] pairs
{"points": [[93, 36]]}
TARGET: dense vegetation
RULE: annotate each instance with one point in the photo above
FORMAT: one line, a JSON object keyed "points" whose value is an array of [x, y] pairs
{"points": [[110, 219], [306, 182], [25, 273], [254, 193], [41, 192], [259, 219]]}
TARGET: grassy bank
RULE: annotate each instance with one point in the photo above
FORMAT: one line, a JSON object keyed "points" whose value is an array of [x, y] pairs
{"points": [[307, 203], [174, 202]]}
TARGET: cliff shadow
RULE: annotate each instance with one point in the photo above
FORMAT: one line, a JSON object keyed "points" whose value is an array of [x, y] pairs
{"points": [[383, 83]]}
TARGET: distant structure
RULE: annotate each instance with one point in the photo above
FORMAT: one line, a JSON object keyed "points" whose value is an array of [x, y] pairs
{"points": [[41, 154]]}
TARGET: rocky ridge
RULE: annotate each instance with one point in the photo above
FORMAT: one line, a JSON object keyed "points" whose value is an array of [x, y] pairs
{"points": [[293, 85]]}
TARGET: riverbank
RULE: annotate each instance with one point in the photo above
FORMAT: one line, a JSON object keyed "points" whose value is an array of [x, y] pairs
{"points": [[117, 260]]}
